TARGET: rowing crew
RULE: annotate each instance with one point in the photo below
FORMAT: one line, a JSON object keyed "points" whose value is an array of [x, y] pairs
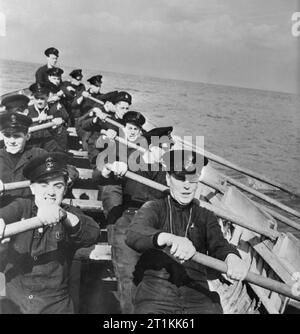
{"points": [[153, 235]]}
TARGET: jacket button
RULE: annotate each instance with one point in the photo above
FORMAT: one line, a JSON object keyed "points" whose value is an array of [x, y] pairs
{"points": [[35, 258], [30, 297]]}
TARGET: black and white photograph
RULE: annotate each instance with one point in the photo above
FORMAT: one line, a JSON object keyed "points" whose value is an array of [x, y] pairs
{"points": [[149, 159]]}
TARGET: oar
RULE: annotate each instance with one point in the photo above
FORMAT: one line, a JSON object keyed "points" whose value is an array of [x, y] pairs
{"points": [[264, 282], [242, 170], [273, 213], [36, 119], [26, 225], [21, 226], [43, 126], [15, 185]]}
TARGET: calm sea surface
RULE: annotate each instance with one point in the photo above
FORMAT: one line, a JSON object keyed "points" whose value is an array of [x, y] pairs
{"points": [[256, 129]]}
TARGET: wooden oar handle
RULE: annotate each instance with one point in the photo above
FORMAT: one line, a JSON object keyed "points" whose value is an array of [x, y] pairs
{"points": [[26, 225], [16, 185], [259, 280], [36, 119], [22, 226], [43, 126], [95, 100]]}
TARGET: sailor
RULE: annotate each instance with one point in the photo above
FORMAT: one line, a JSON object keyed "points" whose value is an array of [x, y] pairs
{"points": [[41, 74], [55, 138], [55, 85], [37, 273], [122, 103], [87, 125], [121, 199], [115, 108], [16, 153], [71, 89], [159, 141], [168, 280], [81, 103]]}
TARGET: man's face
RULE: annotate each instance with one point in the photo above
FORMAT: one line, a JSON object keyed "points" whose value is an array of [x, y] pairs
{"points": [[182, 191], [132, 132], [14, 142], [40, 101], [76, 82], [52, 60], [54, 79], [121, 108], [95, 89], [49, 192], [109, 107]]}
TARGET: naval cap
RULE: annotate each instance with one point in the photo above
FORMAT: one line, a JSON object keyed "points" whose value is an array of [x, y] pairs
{"points": [[110, 96], [14, 122], [15, 103], [76, 74], [38, 89], [96, 80], [163, 134], [134, 117], [51, 51], [184, 164], [123, 96], [45, 166]]}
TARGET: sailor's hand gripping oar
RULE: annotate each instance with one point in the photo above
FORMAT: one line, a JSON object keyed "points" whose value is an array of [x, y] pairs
{"points": [[46, 216]]}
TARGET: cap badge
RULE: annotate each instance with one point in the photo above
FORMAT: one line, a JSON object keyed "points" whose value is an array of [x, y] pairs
{"points": [[13, 119], [49, 164]]}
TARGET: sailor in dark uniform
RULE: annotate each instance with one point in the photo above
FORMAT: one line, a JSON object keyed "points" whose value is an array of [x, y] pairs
{"points": [[121, 199], [41, 74], [115, 108], [14, 157], [38, 261], [168, 280], [81, 104], [55, 83], [53, 139], [87, 125], [72, 88], [16, 153]]}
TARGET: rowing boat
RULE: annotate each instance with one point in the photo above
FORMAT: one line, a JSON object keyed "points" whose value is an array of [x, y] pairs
{"points": [[276, 257]]}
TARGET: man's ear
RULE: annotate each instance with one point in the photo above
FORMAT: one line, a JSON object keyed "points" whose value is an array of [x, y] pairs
{"points": [[28, 136], [168, 179]]}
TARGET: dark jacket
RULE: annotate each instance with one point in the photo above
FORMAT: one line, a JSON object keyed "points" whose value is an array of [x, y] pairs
{"points": [[204, 231], [41, 75], [51, 139], [39, 263]]}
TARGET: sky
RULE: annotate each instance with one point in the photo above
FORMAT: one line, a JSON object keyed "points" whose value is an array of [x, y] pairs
{"points": [[232, 42]]}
